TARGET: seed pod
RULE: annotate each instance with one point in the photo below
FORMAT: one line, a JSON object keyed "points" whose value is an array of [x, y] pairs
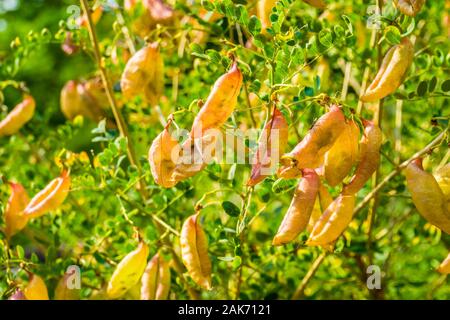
{"points": [[144, 74], [323, 200], [320, 4], [264, 11], [444, 267], [392, 71], [14, 217], [274, 138], [63, 292], [194, 157], [333, 222], [159, 11], [36, 289], [310, 151], [299, 212], [194, 252], [128, 272], [343, 155], [409, 7], [443, 179], [18, 117], [76, 100], [427, 196], [163, 157], [50, 198], [369, 158], [220, 103], [156, 279], [17, 295]]}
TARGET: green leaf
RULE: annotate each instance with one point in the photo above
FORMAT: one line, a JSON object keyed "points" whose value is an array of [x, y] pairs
{"points": [[432, 84], [422, 88], [392, 35], [231, 209], [445, 86], [283, 185], [20, 252], [326, 38], [254, 25]]}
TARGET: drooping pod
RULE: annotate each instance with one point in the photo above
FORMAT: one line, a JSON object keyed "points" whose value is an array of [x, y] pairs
{"points": [[271, 145], [144, 74], [343, 155], [323, 200], [128, 272], [444, 267], [443, 179], [36, 289], [15, 220], [333, 221], [18, 117], [369, 157], [392, 72], [320, 4], [194, 252], [264, 9], [409, 7], [156, 279], [63, 291], [49, 198], [163, 157], [220, 103], [299, 212], [427, 196], [309, 153]]}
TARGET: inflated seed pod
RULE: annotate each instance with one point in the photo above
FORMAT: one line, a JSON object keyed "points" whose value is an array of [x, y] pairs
{"points": [[339, 160], [144, 74], [333, 221], [369, 157], [64, 292], [443, 179], [427, 196], [299, 212], [309, 153], [444, 267], [409, 7], [264, 9], [156, 279], [17, 295], [163, 157], [392, 72], [36, 289], [220, 103], [15, 220], [273, 138], [50, 198], [18, 117], [128, 272], [194, 252], [320, 4], [323, 200]]}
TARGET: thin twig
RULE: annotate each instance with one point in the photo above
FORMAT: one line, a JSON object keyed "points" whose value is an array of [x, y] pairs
{"points": [[311, 272]]}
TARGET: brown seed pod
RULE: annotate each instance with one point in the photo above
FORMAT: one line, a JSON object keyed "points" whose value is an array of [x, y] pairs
{"points": [[194, 252], [156, 279], [409, 7]]}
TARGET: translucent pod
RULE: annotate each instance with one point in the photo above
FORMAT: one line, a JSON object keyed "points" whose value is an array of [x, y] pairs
{"points": [[50, 198], [409, 7], [339, 160], [333, 221], [156, 279], [36, 289], [194, 252], [369, 157], [272, 143], [323, 200], [427, 196], [15, 220], [220, 103], [309, 153], [299, 212], [392, 72], [128, 272], [264, 9], [144, 74], [443, 179], [64, 292], [18, 117], [444, 267]]}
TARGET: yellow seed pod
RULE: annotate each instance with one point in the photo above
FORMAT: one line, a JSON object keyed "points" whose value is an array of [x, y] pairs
{"points": [[444, 267], [14, 217], [333, 222], [264, 9], [194, 252], [323, 200], [443, 179], [427, 196], [50, 198], [320, 4], [18, 117], [156, 279], [409, 7], [144, 74], [36, 289], [299, 212], [128, 272], [392, 72], [343, 155], [63, 292]]}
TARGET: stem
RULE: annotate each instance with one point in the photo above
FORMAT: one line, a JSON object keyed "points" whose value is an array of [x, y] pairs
{"points": [[312, 270]]}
